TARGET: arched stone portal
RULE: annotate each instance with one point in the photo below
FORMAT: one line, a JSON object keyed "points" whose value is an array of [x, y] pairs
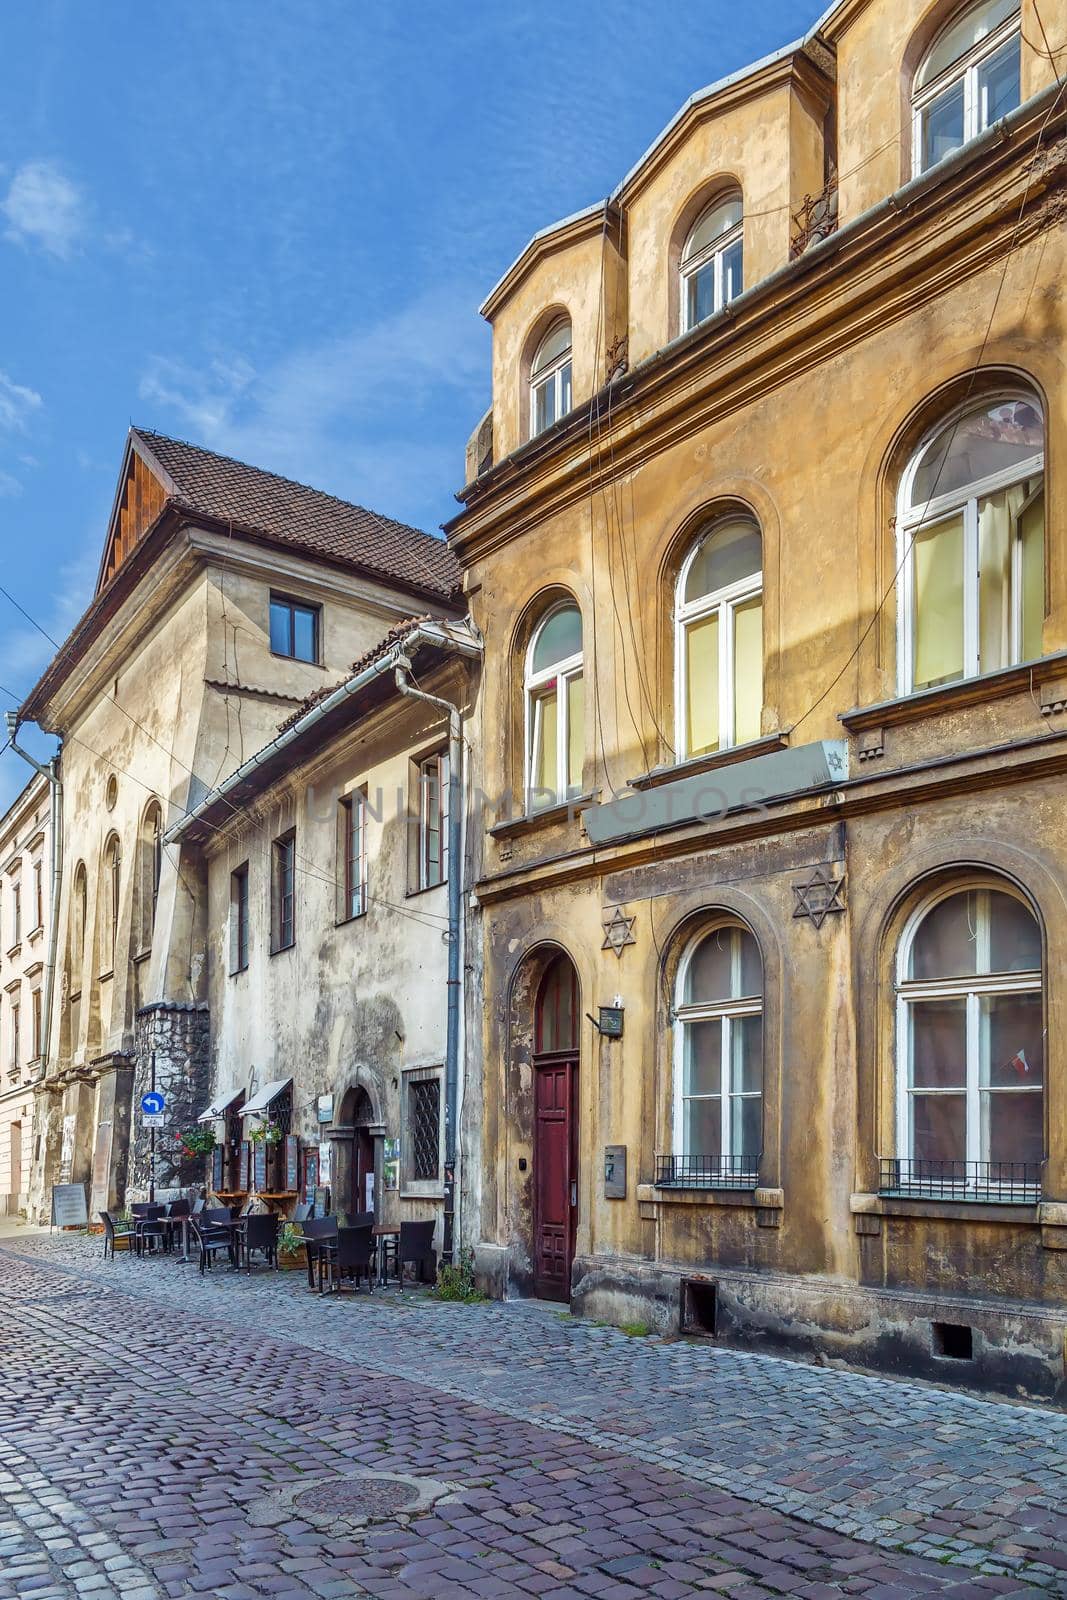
{"points": [[356, 1138]]}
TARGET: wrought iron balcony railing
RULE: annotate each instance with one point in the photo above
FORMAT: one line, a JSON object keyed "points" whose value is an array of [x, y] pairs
{"points": [[1005, 1182], [706, 1172]]}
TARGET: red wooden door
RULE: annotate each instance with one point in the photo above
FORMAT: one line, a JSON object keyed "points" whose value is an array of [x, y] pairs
{"points": [[555, 1178]]}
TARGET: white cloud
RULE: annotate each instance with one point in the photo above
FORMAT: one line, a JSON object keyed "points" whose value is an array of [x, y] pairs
{"points": [[16, 403], [44, 207]]}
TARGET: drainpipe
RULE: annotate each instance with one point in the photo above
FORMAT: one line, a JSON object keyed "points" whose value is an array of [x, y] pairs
{"points": [[455, 909], [51, 772]]}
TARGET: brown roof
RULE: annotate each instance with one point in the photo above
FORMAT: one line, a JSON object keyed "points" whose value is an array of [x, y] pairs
{"points": [[292, 513], [399, 631]]}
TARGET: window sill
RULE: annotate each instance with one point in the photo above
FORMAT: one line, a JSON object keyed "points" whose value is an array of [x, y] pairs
{"points": [[343, 922], [282, 949], [696, 765], [885, 1205], [238, 972], [431, 1191], [35, 933], [953, 696], [280, 655], [531, 821], [105, 977], [754, 1198], [14, 951], [428, 888]]}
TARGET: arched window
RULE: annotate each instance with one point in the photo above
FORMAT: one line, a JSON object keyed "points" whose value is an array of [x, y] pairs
{"points": [[968, 80], [718, 1060], [555, 708], [78, 911], [712, 260], [150, 866], [109, 902], [971, 525], [719, 639], [556, 1012], [550, 378], [970, 1068]]}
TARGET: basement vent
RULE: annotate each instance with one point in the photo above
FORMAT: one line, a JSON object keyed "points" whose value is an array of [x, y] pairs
{"points": [[955, 1340], [699, 1307]]}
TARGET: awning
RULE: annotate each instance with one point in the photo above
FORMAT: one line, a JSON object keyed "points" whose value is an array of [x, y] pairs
{"points": [[218, 1108], [260, 1102]]}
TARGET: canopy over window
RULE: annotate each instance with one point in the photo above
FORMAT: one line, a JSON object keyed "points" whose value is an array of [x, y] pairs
{"points": [[219, 1106], [976, 24], [263, 1099], [556, 343]]}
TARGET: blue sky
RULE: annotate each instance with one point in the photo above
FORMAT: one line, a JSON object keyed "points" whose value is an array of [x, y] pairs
{"points": [[266, 225]]}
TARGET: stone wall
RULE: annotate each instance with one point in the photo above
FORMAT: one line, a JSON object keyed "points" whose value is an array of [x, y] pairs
{"points": [[178, 1037]]}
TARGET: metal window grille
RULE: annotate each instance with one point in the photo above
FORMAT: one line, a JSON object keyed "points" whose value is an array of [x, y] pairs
{"points": [[1005, 1182], [706, 1172], [424, 1112]]}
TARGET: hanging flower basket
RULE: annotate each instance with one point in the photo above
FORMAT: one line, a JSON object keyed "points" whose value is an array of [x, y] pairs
{"points": [[197, 1142]]}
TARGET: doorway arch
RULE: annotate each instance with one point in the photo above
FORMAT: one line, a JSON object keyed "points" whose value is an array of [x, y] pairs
{"points": [[556, 1036], [355, 1137]]}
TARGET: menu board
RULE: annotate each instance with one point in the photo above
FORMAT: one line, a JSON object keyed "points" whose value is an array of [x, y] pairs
{"points": [[259, 1174], [216, 1168], [68, 1205], [292, 1163], [311, 1175], [245, 1171]]}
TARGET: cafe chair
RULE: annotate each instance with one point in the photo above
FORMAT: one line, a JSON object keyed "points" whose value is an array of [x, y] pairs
{"points": [[210, 1241], [116, 1231], [148, 1227], [415, 1248], [351, 1257], [304, 1211], [259, 1233], [317, 1232]]}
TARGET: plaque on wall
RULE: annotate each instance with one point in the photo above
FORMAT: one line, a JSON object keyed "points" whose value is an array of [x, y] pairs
{"points": [[259, 1169], [216, 1168], [292, 1163], [391, 1164], [101, 1169], [311, 1175]]}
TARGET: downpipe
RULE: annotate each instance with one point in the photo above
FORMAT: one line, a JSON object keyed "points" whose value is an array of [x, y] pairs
{"points": [[55, 783], [455, 911]]}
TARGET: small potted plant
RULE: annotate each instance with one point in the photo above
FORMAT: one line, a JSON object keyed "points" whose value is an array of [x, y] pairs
{"points": [[290, 1246], [197, 1142]]}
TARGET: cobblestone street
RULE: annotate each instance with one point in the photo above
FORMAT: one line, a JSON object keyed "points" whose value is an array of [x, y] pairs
{"points": [[167, 1436]]}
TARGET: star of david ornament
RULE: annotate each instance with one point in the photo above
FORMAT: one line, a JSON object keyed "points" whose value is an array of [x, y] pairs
{"points": [[820, 895], [618, 932]]}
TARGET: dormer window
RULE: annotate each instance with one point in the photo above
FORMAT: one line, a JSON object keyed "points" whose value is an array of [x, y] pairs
{"points": [[968, 80], [712, 260], [550, 378]]}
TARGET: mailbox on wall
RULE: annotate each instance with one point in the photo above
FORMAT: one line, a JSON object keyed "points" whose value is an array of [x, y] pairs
{"points": [[615, 1172]]}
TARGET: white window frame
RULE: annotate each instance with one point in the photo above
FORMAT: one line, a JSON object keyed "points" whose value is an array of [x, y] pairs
{"points": [[727, 1012], [425, 788], [552, 375], [534, 683], [353, 805], [972, 989], [966, 69], [911, 520], [725, 601], [713, 253]]}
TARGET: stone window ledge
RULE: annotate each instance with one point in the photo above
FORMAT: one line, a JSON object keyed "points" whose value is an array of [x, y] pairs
{"points": [[757, 1199], [879, 1205], [1025, 677], [545, 816], [764, 746]]}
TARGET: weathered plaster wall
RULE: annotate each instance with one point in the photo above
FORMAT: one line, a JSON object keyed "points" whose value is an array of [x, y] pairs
{"points": [[25, 860]]}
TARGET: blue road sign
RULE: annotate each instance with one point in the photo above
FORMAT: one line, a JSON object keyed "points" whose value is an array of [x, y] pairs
{"points": [[153, 1104]]}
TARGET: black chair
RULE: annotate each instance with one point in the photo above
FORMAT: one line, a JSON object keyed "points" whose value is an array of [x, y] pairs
{"points": [[116, 1231], [317, 1232], [148, 1227], [303, 1212], [216, 1214], [210, 1241], [415, 1248], [259, 1233], [198, 1206], [351, 1257]]}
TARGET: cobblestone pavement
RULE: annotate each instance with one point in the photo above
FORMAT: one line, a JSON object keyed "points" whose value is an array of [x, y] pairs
{"points": [[159, 1431]]}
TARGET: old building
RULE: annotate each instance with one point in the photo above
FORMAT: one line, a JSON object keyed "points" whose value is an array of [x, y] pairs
{"points": [[774, 604], [328, 861], [25, 962], [226, 597]]}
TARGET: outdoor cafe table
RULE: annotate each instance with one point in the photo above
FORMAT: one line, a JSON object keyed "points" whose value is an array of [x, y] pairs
{"points": [[383, 1231]]}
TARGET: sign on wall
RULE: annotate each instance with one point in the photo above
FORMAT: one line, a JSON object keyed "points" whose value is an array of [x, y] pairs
{"points": [[325, 1152], [101, 1169], [259, 1167], [325, 1107], [66, 1148], [292, 1163], [216, 1168], [68, 1205], [391, 1164], [245, 1171], [311, 1175]]}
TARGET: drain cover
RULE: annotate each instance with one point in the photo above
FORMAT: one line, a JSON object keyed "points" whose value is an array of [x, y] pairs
{"points": [[357, 1497]]}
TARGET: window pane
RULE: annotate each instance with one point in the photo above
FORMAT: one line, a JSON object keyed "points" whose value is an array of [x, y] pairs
{"points": [[555, 342], [709, 978], [702, 1130], [543, 768], [937, 555], [1014, 936], [1011, 1046], [996, 521], [748, 670], [544, 405], [702, 686], [747, 1129], [746, 1048], [700, 295], [732, 551], [575, 731], [565, 401], [998, 83], [702, 1072], [939, 1123], [712, 224], [557, 1007], [942, 126], [280, 615], [991, 439], [946, 945], [731, 272], [976, 24], [939, 1044], [304, 645], [1032, 540], [559, 638], [1013, 1129]]}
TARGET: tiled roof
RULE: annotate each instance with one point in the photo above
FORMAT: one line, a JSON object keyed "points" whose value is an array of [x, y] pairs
{"points": [[292, 513], [399, 631]]}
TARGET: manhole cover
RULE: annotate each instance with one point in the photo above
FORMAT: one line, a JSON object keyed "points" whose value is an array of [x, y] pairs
{"points": [[357, 1497]]}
